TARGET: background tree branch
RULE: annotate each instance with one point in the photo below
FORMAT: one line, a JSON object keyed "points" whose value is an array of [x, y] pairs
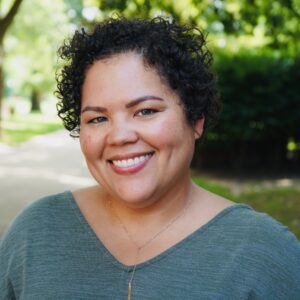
{"points": [[7, 20]]}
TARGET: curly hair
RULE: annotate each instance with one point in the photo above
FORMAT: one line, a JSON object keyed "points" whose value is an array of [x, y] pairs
{"points": [[178, 53]]}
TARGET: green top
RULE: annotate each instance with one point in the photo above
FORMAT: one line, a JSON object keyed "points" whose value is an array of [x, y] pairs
{"points": [[50, 252]]}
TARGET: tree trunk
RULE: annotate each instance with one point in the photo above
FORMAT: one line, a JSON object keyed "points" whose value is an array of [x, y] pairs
{"points": [[5, 22], [35, 101]]}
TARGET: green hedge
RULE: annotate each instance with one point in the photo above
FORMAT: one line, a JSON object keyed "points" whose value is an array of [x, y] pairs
{"points": [[261, 111]]}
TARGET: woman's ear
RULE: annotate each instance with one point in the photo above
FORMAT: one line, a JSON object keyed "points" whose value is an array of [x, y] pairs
{"points": [[198, 128]]}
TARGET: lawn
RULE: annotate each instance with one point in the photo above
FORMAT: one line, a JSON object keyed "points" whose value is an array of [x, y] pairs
{"points": [[21, 128], [281, 203]]}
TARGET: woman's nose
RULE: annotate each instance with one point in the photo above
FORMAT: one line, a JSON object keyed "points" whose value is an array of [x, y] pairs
{"points": [[121, 133]]}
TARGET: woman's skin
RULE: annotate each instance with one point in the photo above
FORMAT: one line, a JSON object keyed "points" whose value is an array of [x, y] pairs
{"points": [[138, 145]]}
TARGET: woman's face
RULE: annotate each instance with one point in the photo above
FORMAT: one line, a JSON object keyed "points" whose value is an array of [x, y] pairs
{"points": [[133, 132]]}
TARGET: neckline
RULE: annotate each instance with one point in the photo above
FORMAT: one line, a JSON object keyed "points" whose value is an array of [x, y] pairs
{"points": [[201, 230]]}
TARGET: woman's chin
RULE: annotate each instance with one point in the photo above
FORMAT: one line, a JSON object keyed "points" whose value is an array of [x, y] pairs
{"points": [[134, 199]]}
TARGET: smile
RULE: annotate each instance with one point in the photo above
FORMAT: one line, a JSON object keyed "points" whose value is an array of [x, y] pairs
{"points": [[132, 161], [131, 165]]}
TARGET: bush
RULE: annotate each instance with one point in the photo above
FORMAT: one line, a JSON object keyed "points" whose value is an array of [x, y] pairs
{"points": [[261, 111]]}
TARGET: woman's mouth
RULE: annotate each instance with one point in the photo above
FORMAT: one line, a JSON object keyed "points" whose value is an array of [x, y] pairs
{"points": [[130, 165]]}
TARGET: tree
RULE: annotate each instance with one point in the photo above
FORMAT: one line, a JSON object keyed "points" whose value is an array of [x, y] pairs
{"points": [[187, 11], [276, 23], [238, 23], [5, 22], [32, 43]]}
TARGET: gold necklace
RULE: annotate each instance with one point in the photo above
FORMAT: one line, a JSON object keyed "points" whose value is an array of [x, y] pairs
{"points": [[139, 248]]}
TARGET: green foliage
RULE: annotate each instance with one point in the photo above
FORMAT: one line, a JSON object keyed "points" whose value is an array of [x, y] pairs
{"points": [[31, 45], [260, 95], [261, 113], [277, 21]]}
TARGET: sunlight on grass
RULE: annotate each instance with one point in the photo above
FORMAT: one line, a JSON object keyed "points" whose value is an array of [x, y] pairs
{"points": [[21, 128]]}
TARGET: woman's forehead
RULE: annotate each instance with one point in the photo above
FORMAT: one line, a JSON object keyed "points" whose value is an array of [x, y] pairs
{"points": [[124, 73]]}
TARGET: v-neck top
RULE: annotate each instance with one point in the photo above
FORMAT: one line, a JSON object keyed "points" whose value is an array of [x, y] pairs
{"points": [[51, 252]]}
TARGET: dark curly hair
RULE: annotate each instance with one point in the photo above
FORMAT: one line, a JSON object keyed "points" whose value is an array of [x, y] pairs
{"points": [[178, 53]]}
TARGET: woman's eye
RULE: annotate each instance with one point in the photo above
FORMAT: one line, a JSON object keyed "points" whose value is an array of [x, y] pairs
{"points": [[146, 112], [98, 120]]}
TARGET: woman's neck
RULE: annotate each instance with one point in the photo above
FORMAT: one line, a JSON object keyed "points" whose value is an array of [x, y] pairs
{"points": [[159, 209]]}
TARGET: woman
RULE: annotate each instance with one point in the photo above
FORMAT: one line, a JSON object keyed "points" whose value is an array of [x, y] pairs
{"points": [[139, 93]]}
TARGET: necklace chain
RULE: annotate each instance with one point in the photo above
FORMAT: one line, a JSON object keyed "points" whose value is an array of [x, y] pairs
{"points": [[140, 247]]}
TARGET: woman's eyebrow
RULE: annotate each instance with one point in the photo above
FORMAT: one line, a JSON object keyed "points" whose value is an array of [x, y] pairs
{"points": [[128, 105], [94, 108], [142, 99]]}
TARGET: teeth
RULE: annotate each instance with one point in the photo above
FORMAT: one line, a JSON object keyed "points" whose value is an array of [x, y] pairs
{"points": [[131, 162]]}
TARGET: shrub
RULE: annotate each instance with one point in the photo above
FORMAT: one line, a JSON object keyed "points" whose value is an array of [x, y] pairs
{"points": [[261, 111]]}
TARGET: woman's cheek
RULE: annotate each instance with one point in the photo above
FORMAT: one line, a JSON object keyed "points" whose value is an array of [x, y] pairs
{"points": [[86, 144], [165, 132]]}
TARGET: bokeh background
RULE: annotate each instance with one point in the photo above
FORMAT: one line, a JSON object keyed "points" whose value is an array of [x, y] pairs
{"points": [[252, 155]]}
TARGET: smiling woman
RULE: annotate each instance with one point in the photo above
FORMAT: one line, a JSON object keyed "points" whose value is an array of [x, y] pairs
{"points": [[133, 123], [139, 93]]}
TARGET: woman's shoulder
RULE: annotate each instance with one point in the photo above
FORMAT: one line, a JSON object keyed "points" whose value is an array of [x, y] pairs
{"points": [[239, 221], [48, 202], [255, 226], [38, 215], [256, 247], [46, 206], [240, 226], [260, 241]]}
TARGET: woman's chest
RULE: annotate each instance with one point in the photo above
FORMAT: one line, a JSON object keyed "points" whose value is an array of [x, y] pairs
{"points": [[86, 275]]}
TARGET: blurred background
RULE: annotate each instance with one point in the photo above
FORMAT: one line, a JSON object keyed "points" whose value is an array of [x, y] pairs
{"points": [[252, 155]]}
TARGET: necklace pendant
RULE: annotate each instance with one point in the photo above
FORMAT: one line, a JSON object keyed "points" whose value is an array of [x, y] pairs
{"points": [[129, 291]]}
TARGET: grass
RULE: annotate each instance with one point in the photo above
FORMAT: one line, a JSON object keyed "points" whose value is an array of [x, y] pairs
{"points": [[283, 204], [21, 128]]}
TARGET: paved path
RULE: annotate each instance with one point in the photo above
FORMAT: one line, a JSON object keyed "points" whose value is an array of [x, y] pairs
{"points": [[45, 165]]}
